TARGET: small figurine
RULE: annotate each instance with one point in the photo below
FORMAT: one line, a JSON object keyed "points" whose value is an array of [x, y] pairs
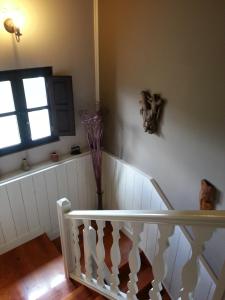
{"points": [[151, 111], [75, 149], [54, 156], [25, 165], [207, 195]]}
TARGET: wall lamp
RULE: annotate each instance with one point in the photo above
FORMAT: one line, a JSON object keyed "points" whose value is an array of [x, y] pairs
{"points": [[11, 27]]}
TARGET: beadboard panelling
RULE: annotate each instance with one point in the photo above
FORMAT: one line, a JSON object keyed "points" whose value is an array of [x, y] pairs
{"points": [[28, 203], [126, 187]]}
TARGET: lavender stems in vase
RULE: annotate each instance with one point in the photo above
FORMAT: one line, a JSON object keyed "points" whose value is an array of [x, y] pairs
{"points": [[94, 129]]}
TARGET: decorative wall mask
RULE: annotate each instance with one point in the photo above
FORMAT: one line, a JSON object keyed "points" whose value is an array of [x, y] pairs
{"points": [[152, 105], [207, 195]]}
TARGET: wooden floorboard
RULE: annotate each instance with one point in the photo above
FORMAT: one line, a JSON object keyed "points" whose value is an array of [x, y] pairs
{"points": [[33, 271]]}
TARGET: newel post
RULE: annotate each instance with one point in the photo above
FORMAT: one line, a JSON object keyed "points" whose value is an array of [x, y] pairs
{"points": [[64, 206]]}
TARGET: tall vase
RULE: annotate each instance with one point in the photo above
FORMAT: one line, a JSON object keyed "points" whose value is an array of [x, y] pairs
{"points": [[99, 199]]}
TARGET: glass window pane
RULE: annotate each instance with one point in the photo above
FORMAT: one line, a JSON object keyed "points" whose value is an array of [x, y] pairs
{"points": [[35, 92], [6, 97], [39, 124], [9, 132]]}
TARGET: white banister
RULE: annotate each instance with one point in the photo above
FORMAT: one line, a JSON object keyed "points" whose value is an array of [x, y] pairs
{"points": [[115, 257], [101, 254], [191, 269], [199, 218], [159, 264], [63, 207], [97, 275], [134, 261]]}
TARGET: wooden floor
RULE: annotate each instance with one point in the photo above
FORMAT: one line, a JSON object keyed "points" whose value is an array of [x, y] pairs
{"points": [[34, 271]]}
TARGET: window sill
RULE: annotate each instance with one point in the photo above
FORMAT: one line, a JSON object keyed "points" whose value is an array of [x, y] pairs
{"points": [[38, 168], [21, 147]]}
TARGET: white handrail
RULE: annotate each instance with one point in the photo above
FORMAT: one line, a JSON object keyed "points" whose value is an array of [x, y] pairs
{"points": [[201, 218]]}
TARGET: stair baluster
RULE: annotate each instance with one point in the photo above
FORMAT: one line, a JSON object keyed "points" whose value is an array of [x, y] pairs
{"points": [[100, 253], [134, 261], [220, 288], [76, 247], [87, 250], [115, 257], [191, 269], [159, 265]]}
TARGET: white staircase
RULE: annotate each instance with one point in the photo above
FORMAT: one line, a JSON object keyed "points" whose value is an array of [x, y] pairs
{"points": [[203, 224]]}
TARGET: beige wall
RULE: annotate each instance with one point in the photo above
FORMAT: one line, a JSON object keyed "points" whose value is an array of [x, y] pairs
{"points": [[59, 34], [175, 48]]}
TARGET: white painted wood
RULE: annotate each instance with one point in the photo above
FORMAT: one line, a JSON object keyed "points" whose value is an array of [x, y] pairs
{"points": [[81, 184], [40, 191], [18, 208], [64, 206], [105, 291], [173, 276], [2, 238], [52, 197], [61, 181], [134, 261], [220, 288], [193, 218], [101, 254], [76, 247], [191, 269], [87, 250], [146, 204], [9, 245], [30, 203], [159, 266], [171, 257], [115, 257], [90, 182], [6, 217], [183, 254], [72, 179], [36, 193], [111, 165], [204, 285]]}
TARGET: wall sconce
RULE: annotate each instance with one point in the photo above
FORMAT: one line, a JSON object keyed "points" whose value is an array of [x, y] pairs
{"points": [[11, 27]]}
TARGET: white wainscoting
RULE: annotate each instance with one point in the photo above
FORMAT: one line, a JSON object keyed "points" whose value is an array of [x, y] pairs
{"points": [[126, 187], [28, 202]]}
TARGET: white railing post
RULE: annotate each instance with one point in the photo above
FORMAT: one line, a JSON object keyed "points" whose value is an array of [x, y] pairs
{"points": [[88, 249], [115, 257], [191, 269], [159, 266], [134, 261], [64, 206], [76, 247], [100, 254]]}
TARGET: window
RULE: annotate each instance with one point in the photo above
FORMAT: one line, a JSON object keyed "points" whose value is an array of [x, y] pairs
{"points": [[35, 108]]}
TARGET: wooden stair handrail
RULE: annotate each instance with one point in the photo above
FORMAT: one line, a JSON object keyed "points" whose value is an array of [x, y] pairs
{"points": [[200, 218]]}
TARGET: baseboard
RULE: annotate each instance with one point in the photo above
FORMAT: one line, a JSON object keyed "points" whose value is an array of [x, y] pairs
{"points": [[21, 240]]}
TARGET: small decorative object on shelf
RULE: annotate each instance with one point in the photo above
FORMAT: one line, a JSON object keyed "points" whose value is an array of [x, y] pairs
{"points": [[151, 109], [94, 128], [75, 150], [207, 195], [25, 165], [54, 156]]}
